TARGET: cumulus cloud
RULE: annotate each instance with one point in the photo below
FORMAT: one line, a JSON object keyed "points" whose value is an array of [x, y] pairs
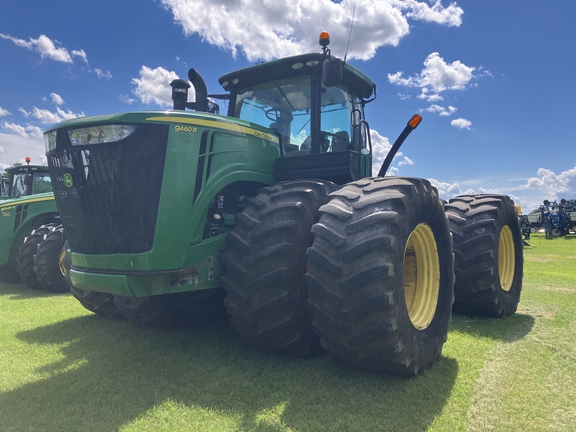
{"points": [[23, 131], [4, 112], [554, 184], [282, 28], [441, 111], [17, 146], [461, 123], [81, 54], [380, 148], [431, 97], [406, 161], [49, 117], [56, 99], [450, 190], [47, 48], [436, 76], [153, 86], [101, 74]]}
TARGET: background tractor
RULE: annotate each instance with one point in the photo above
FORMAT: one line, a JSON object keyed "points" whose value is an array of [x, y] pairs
{"points": [[557, 218], [274, 209], [29, 214]]}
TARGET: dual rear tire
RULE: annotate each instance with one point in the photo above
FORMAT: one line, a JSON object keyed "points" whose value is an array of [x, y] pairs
{"points": [[381, 275], [488, 250], [368, 271], [25, 261]]}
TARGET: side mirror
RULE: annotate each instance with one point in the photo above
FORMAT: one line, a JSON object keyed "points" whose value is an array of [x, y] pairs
{"points": [[332, 72], [28, 180]]}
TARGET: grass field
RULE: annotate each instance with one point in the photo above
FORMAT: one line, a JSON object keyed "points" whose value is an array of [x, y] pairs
{"points": [[65, 369]]}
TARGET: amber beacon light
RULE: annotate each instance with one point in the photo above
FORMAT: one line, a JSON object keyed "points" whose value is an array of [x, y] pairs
{"points": [[324, 39]]}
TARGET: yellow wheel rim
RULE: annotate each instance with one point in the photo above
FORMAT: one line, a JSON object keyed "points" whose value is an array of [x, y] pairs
{"points": [[421, 276], [60, 261], [506, 258]]}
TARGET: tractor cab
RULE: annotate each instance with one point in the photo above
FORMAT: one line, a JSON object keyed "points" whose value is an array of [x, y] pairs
{"points": [[24, 180], [313, 102]]}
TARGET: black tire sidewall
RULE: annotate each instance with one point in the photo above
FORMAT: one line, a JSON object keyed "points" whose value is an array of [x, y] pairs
{"points": [[511, 297], [428, 341]]}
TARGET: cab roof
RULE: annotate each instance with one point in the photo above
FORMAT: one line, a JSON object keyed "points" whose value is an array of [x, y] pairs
{"points": [[27, 168], [304, 64]]}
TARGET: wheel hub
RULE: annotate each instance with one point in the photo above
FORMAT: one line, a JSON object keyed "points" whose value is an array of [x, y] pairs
{"points": [[421, 276], [506, 258]]}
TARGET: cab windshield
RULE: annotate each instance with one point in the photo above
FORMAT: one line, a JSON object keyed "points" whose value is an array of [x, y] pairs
{"points": [[286, 106], [40, 183]]}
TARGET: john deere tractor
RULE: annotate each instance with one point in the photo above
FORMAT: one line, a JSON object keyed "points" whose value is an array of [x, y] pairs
{"points": [[29, 214], [273, 206]]}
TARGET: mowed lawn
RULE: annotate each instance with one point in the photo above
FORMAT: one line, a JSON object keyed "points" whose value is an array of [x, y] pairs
{"points": [[65, 369]]}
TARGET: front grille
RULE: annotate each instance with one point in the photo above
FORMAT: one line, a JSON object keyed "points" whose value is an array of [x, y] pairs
{"points": [[108, 194]]}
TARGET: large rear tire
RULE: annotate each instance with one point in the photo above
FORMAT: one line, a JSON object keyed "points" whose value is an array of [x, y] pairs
{"points": [[47, 260], [265, 265], [488, 252], [25, 260], [381, 275]]}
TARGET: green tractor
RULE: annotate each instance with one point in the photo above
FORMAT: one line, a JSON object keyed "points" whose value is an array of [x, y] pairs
{"points": [[274, 209], [29, 215]]}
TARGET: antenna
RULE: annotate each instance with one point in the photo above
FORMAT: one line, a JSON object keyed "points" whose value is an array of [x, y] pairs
{"points": [[350, 34]]}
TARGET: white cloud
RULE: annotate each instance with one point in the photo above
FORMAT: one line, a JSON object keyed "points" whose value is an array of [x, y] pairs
{"points": [[450, 190], [127, 99], [17, 129], [17, 147], [450, 16], [430, 98], [554, 184], [56, 99], [436, 76], [281, 28], [23, 131], [101, 74], [47, 48], [153, 86], [406, 161], [441, 111], [380, 148], [81, 54], [4, 112], [461, 123], [49, 117]]}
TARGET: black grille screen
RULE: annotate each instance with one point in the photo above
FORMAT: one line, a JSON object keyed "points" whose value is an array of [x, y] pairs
{"points": [[108, 194]]}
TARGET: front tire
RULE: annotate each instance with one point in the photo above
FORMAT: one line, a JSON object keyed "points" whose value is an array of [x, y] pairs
{"points": [[265, 266], [25, 260], [144, 311], [171, 310], [96, 302], [488, 252], [381, 275], [47, 260]]}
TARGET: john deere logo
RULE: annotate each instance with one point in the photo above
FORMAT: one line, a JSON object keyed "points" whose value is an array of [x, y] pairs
{"points": [[68, 182]]}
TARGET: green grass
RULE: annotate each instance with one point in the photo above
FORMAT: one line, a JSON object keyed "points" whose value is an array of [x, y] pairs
{"points": [[65, 369]]}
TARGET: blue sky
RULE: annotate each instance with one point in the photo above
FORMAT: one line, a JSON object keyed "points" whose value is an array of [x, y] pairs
{"points": [[493, 80]]}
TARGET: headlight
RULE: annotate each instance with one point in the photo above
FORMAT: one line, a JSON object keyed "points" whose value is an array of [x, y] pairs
{"points": [[100, 134], [50, 140]]}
